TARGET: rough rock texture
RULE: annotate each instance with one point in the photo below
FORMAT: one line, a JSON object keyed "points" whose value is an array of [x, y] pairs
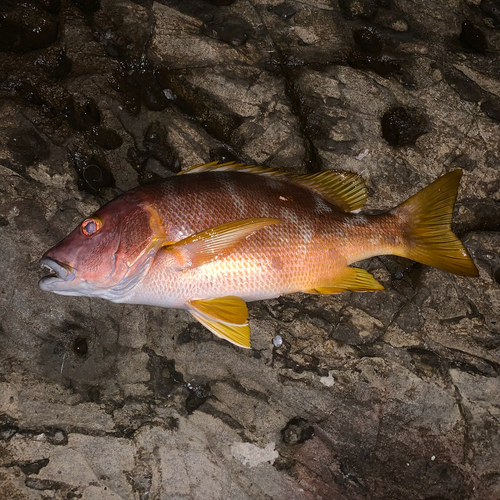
{"points": [[384, 395]]}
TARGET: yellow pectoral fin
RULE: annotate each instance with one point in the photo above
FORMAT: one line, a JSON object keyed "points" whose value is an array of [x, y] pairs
{"points": [[216, 242], [226, 317], [351, 279]]}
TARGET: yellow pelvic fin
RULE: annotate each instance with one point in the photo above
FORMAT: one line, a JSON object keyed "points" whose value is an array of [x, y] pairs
{"points": [[426, 225], [345, 190], [226, 317], [231, 310], [351, 279], [216, 242]]}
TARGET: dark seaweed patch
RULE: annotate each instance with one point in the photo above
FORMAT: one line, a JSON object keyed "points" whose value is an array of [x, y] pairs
{"points": [[403, 126]]}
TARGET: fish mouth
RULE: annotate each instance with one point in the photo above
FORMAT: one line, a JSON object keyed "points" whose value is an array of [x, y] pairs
{"points": [[64, 273]]}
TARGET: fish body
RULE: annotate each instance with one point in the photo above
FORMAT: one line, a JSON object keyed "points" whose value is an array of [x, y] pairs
{"points": [[222, 235]]}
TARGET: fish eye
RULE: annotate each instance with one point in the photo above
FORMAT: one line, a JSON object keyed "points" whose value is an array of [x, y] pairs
{"points": [[91, 226]]}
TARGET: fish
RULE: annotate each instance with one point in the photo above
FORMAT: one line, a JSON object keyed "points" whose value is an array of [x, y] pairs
{"points": [[219, 235]]}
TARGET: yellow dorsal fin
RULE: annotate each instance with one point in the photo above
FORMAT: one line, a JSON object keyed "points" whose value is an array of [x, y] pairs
{"points": [[232, 166], [346, 190], [216, 242], [351, 279], [226, 317]]}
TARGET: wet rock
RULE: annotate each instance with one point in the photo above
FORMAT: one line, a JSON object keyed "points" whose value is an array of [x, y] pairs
{"points": [[491, 8], [33, 467], [27, 147], [26, 28], [52, 6], [468, 90], [56, 64], [368, 39], [297, 431], [219, 3], [473, 37], [88, 6], [154, 406], [164, 377], [156, 143], [106, 138], [197, 396], [403, 126], [80, 346], [355, 9], [284, 10], [226, 31], [93, 174], [492, 109]]}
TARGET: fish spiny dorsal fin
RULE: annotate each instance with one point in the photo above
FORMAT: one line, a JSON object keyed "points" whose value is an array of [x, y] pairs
{"points": [[345, 190], [232, 166]]}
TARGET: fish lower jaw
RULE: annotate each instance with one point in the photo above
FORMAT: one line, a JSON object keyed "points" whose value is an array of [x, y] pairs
{"points": [[63, 272]]}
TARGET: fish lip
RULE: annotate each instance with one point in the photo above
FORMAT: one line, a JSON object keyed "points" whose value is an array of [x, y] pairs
{"points": [[63, 271]]}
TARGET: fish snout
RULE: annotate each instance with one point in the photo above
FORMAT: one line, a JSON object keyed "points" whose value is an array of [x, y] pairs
{"points": [[64, 273]]}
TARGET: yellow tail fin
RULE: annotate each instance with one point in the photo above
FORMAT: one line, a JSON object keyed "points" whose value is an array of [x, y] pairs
{"points": [[426, 219]]}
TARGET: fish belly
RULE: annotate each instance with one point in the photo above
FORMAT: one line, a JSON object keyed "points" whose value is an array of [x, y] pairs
{"points": [[267, 265]]}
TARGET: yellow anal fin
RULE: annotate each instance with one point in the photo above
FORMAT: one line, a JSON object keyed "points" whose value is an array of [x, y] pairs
{"points": [[426, 227], [216, 242], [345, 190], [351, 279], [226, 317]]}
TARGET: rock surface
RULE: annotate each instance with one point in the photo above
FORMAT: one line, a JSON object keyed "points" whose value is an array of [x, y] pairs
{"points": [[384, 395]]}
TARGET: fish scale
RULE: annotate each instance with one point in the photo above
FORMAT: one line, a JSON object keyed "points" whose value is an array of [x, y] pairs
{"points": [[221, 235]]}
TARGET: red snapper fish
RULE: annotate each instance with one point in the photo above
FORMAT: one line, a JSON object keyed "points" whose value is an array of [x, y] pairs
{"points": [[220, 235]]}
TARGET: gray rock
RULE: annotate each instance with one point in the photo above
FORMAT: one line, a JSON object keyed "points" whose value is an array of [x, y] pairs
{"points": [[391, 394]]}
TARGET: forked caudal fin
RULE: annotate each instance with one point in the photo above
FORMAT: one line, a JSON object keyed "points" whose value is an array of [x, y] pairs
{"points": [[426, 223]]}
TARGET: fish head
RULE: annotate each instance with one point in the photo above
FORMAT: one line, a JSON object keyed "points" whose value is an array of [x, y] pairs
{"points": [[107, 254]]}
